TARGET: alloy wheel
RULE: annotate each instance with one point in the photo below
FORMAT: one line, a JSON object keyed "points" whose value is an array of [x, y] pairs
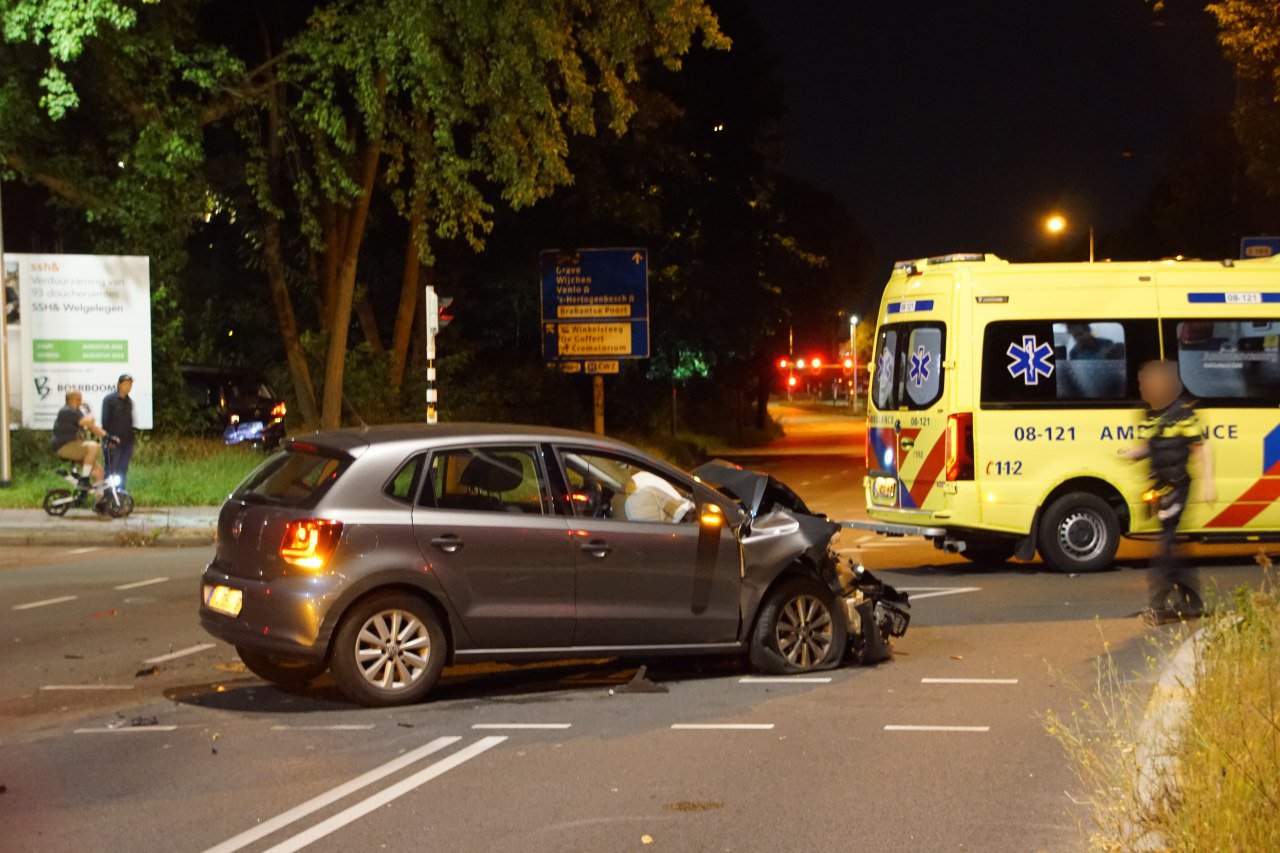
{"points": [[393, 649], [804, 631]]}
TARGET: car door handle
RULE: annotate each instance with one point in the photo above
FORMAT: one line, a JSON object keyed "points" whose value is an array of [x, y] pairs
{"points": [[447, 543], [596, 548]]}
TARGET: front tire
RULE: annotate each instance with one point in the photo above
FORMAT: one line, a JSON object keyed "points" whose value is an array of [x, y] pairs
{"points": [[287, 672], [120, 506], [389, 651], [799, 629], [1079, 532]]}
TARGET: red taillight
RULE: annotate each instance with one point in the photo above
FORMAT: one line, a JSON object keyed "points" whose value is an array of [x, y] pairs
{"points": [[309, 543], [960, 447], [279, 410]]}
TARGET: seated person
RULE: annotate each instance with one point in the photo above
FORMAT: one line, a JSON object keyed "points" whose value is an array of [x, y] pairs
{"points": [[1089, 346], [651, 498], [67, 443]]}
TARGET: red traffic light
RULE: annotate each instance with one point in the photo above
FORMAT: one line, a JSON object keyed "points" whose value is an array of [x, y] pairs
{"points": [[816, 363], [848, 363], [782, 364], [791, 381], [800, 363]]}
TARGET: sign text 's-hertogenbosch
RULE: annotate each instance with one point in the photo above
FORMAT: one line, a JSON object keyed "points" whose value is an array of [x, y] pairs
{"points": [[595, 302]]}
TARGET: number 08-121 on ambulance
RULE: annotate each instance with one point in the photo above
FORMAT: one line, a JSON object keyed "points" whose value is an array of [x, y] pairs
{"points": [[1002, 394]]}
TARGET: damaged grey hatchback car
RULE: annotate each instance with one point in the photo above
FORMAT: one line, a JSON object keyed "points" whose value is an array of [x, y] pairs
{"points": [[385, 554]]}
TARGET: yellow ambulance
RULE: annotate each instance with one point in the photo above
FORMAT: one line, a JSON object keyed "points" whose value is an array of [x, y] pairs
{"points": [[1001, 395]]}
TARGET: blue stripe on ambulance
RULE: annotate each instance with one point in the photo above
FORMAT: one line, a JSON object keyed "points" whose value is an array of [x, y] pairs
{"points": [[908, 306], [1235, 298]]}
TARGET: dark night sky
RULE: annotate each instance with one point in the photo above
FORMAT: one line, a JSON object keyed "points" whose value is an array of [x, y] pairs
{"points": [[955, 126]]}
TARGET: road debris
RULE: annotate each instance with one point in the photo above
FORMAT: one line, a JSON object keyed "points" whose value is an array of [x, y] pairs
{"points": [[640, 684], [145, 671], [143, 721]]}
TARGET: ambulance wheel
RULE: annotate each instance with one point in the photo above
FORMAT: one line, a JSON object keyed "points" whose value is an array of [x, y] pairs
{"points": [[1079, 532]]}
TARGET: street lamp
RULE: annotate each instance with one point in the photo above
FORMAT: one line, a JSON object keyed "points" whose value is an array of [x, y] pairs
{"points": [[1056, 224], [853, 351]]}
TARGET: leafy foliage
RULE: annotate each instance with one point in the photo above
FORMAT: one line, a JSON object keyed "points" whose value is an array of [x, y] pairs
{"points": [[1250, 37]]}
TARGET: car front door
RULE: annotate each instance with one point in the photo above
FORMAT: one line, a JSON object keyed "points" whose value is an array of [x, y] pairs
{"points": [[486, 524], [649, 571]]}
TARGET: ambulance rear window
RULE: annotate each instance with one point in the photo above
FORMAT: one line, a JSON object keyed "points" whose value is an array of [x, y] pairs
{"points": [[908, 365]]}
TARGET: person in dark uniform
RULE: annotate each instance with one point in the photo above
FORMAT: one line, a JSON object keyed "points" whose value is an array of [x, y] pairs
{"points": [[1172, 435], [66, 441], [117, 420]]}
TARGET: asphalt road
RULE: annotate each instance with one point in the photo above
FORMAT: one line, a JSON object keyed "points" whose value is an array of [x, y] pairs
{"points": [[124, 726]]}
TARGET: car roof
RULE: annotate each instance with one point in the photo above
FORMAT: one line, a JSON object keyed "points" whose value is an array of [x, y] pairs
{"points": [[351, 438]]}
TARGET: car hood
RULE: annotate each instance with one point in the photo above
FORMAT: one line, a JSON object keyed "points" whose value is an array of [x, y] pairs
{"points": [[780, 528], [757, 492]]}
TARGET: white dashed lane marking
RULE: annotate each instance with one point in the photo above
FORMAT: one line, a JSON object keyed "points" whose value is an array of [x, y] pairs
{"points": [[105, 730], [45, 602], [137, 584], [731, 727], [87, 687], [350, 727], [191, 650], [785, 679], [83, 550], [968, 681], [519, 726], [919, 592], [937, 728]]}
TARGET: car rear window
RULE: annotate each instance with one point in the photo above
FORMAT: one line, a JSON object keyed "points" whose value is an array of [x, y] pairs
{"points": [[296, 478]]}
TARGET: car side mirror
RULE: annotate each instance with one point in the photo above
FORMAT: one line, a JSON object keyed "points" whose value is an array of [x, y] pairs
{"points": [[710, 515]]}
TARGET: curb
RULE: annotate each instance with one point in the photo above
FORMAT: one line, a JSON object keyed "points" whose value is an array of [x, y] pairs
{"points": [[1159, 733], [123, 537]]}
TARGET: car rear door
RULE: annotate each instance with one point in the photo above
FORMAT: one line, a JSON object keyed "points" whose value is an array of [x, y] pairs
{"points": [[486, 524], [648, 572]]}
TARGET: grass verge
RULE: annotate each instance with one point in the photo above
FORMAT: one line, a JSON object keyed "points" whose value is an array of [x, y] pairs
{"points": [[1221, 785], [164, 471]]}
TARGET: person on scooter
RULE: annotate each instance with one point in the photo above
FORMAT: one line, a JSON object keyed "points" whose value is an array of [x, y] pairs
{"points": [[117, 420], [66, 440]]}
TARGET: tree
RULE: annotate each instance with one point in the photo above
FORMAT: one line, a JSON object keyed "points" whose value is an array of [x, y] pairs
{"points": [[1250, 37], [449, 107]]}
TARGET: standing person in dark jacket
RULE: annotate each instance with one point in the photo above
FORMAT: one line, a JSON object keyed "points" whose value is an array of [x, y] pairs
{"points": [[117, 420], [1172, 436]]}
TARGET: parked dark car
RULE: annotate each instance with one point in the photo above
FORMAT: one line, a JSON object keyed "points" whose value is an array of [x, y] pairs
{"points": [[385, 553], [237, 404]]}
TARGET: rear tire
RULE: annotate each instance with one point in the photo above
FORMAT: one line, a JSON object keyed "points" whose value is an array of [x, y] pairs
{"points": [[389, 650], [57, 509], [799, 628], [287, 672], [1079, 532]]}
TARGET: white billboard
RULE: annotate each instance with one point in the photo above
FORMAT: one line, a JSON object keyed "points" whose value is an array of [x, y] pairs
{"points": [[77, 321]]}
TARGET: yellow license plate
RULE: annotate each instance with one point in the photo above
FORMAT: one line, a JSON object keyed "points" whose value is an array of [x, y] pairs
{"points": [[884, 490], [224, 599]]}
